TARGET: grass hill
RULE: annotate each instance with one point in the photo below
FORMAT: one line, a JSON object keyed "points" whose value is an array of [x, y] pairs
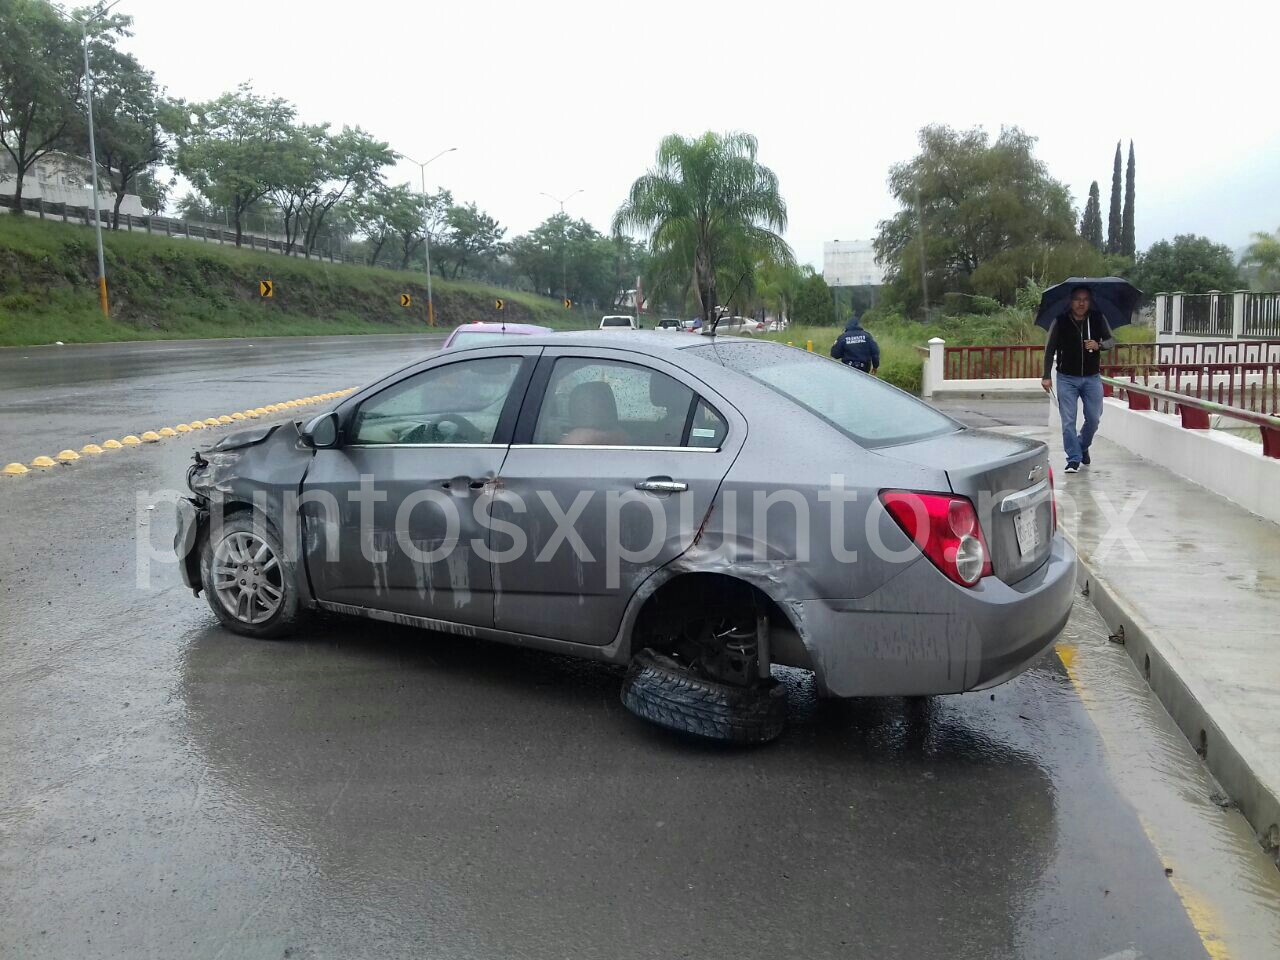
{"points": [[162, 288]]}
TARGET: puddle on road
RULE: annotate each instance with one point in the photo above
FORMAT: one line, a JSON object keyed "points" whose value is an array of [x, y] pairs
{"points": [[1228, 884]]}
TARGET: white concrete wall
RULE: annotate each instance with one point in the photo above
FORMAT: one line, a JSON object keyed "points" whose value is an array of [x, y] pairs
{"points": [[1229, 466]]}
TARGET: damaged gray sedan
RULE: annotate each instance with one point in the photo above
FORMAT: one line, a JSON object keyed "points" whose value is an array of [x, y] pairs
{"points": [[699, 511]]}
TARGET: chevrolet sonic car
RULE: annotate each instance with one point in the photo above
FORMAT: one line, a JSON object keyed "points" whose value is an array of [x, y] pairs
{"points": [[698, 510]]}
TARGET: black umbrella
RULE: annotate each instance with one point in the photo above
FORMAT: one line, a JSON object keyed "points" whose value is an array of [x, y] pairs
{"points": [[1114, 298]]}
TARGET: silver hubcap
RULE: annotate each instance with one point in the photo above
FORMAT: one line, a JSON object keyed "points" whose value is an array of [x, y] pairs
{"points": [[247, 578]]}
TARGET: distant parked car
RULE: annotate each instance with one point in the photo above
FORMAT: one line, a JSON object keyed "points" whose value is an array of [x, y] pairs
{"points": [[737, 326], [665, 325], [619, 323], [474, 334]]}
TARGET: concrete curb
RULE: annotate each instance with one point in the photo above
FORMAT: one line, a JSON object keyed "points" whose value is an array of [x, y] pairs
{"points": [[1197, 711]]}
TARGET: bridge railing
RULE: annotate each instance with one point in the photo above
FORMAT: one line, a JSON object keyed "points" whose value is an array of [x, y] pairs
{"points": [[1194, 411], [1240, 314], [1253, 387], [1016, 361]]}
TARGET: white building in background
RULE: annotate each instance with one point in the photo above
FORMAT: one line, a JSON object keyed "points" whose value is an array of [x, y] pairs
{"points": [[63, 178], [850, 263]]}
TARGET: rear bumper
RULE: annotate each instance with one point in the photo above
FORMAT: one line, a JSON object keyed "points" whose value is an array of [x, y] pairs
{"points": [[920, 634]]}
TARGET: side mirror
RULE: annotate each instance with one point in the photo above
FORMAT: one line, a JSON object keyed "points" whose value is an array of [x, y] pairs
{"points": [[322, 432]]}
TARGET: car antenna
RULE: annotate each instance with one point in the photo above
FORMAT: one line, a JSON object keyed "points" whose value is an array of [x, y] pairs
{"points": [[729, 299]]}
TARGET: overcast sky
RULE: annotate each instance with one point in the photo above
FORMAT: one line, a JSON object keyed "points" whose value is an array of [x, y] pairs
{"points": [[557, 96]]}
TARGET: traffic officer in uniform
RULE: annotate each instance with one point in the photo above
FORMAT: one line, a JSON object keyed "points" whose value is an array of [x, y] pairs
{"points": [[857, 348]]}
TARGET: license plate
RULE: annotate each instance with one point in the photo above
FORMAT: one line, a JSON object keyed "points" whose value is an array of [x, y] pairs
{"points": [[1024, 524]]}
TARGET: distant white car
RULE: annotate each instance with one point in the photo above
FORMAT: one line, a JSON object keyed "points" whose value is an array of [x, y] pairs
{"points": [[666, 325], [619, 323]]}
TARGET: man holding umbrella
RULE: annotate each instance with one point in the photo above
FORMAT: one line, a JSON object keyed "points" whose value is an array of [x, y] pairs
{"points": [[1077, 336]]}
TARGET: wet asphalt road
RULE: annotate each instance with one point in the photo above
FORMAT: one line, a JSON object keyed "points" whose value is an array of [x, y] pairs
{"points": [[170, 789], [55, 397]]}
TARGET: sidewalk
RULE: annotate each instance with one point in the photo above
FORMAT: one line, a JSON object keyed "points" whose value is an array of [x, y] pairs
{"points": [[1199, 608]]}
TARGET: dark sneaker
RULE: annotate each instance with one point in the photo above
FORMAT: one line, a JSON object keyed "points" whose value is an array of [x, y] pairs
{"points": [[1084, 456], [1073, 466]]}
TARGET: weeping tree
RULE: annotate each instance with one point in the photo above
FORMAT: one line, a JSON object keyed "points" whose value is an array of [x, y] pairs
{"points": [[712, 212]]}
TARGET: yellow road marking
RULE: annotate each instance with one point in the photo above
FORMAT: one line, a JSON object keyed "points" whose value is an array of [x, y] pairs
{"points": [[1201, 914], [153, 436]]}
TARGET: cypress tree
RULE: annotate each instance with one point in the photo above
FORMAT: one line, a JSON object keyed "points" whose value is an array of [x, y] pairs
{"points": [[1113, 221], [1128, 245], [1091, 222]]}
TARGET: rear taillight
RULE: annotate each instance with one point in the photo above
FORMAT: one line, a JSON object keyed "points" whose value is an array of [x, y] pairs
{"points": [[946, 530], [1053, 498]]}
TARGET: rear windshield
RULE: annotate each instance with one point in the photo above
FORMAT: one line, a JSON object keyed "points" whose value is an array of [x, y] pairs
{"points": [[616, 322], [472, 338], [866, 409]]}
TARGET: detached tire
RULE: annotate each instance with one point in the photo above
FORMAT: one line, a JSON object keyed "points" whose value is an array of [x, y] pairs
{"points": [[661, 691]]}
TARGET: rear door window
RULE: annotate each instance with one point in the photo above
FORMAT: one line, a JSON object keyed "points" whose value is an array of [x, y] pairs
{"points": [[614, 403]]}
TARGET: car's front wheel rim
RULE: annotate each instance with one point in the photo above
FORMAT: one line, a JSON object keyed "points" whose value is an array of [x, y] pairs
{"points": [[247, 577]]}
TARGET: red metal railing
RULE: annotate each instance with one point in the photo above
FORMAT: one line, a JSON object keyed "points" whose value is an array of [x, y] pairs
{"points": [[1218, 351], [1194, 411], [1010, 361], [1244, 386]]}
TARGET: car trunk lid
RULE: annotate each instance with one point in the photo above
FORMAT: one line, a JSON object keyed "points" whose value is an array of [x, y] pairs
{"points": [[1007, 478]]}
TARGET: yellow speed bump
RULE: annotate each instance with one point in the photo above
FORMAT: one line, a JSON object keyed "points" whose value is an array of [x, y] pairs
{"points": [[112, 445], [130, 441], [197, 425], [91, 448], [260, 411], [291, 404], [44, 462], [183, 428], [224, 419], [66, 456], [237, 415], [211, 421], [271, 408], [14, 469], [167, 432], [150, 436]]}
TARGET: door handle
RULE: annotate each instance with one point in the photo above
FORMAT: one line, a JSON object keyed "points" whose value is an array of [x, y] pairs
{"points": [[471, 484], [662, 485]]}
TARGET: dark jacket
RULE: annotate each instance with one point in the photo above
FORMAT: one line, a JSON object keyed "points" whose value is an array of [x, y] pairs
{"points": [[856, 348], [1066, 344]]}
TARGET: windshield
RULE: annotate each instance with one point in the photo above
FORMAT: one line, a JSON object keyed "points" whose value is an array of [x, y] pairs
{"points": [[473, 338], [616, 322], [866, 409]]}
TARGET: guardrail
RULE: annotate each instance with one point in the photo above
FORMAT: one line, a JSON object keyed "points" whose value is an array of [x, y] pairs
{"points": [[188, 229], [1194, 411], [1237, 314], [1025, 361], [1246, 386]]}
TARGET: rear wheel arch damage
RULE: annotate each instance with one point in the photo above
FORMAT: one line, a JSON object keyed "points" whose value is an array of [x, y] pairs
{"points": [[702, 645]]}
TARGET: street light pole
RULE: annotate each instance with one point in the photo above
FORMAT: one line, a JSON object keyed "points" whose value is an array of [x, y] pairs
{"points": [[564, 241], [93, 154], [426, 227]]}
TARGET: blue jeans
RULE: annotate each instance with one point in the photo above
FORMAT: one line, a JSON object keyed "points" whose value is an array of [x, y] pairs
{"points": [[1087, 390]]}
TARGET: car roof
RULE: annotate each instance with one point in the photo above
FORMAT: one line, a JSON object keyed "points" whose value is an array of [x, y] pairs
{"points": [[485, 326], [644, 341]]}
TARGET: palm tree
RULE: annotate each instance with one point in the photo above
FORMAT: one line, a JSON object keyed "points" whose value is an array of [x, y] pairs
{"points": [[712, 212], [1263, 255]]}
